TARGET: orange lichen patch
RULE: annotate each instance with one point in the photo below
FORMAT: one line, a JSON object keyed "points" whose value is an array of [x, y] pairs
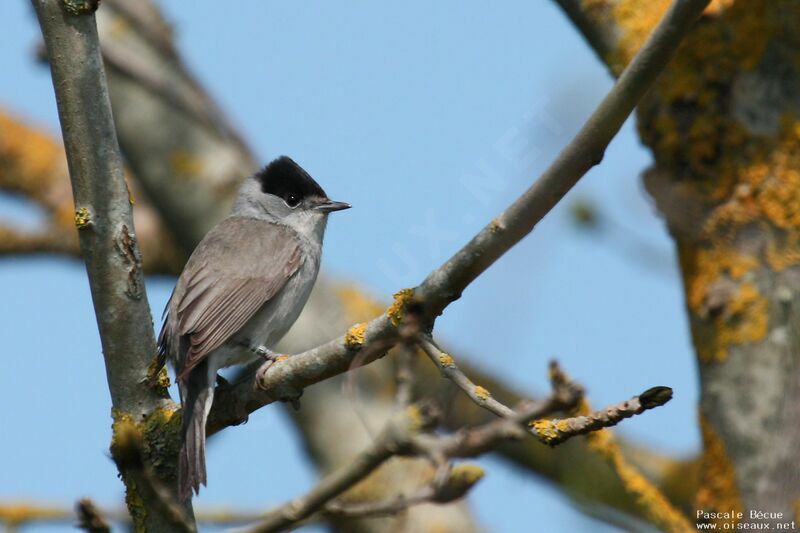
{"points": [[482, 393], [396, 310], [687, 117], [702, 268], [655, 506], [718, 6], [781, 253], [745, 319], [356, 335], [15, 514], [446, 360], [717, 490], [780, 199], [358, 306], [281, 358], [33, 164], [636, 19]]}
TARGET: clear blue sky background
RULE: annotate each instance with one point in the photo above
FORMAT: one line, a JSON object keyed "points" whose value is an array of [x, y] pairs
{"points": [[400, 110]]}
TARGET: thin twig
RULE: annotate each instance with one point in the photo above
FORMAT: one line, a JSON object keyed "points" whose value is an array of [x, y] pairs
{"points": [[390, 506], [447, 365], [395, 437], [556, 431], [404, 376], [446, 283], [453, 483]]}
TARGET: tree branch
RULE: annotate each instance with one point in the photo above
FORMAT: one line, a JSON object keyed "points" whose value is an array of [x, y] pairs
{"points": [[103, 213], [445, 284], [395, 437], [90, 518]]}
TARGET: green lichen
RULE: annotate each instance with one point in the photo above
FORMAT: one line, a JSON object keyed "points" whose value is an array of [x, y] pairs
{"points": [[125, 440], [157, 375], [156, 441], [161, 441]]}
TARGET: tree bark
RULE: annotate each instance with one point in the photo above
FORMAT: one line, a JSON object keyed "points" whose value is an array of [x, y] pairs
{"points": [[108, 244], [723, 127]]}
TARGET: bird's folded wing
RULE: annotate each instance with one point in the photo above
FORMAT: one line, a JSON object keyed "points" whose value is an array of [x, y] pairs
{"points": [[237, 268]]}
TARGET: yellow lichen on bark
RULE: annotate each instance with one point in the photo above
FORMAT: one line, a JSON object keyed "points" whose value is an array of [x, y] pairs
{"points": [[82, 218], [739, 171], [356, 335], [19, 513], [548, 431], [655, 506], [737, 312], [156, 440], [446, 360], [705, 266], [636, 19], [482, 392], [34, 165], [717, 490], [398, 307], [745, 320]]}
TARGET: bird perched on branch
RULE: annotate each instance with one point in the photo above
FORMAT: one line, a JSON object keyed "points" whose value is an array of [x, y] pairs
{"points": [[240, 292]]}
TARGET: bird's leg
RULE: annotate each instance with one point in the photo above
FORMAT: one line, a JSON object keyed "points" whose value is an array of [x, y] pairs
{"points": [[265, 353], [269, 357]]}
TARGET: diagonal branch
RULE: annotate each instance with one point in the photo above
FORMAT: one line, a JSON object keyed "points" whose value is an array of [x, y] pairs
{"points": [[445, 284]]}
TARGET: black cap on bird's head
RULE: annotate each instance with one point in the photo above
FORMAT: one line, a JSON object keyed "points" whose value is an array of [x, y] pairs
{"points": [[287, 180]]}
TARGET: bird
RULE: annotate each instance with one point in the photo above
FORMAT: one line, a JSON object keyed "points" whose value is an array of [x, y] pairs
{"points": [[241, 290]]}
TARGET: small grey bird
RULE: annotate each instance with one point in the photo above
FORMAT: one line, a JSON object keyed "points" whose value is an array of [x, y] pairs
{"points": [[241, 290]]}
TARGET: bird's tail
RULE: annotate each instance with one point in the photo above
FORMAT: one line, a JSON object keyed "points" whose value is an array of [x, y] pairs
{"points": [[197, 393]]}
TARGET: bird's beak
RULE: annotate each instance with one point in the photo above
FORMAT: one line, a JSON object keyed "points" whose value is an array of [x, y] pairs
{"points": [[328, 206]]}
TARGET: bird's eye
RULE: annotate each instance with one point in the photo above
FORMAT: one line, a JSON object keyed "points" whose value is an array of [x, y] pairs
{"points": [[292, 200]]}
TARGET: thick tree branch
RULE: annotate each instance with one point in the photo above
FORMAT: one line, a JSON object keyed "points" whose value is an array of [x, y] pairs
{"points": [[445, 284], [103, 211]]}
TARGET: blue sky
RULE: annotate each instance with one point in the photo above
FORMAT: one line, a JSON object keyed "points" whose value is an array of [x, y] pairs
{"points": [[429, 119]]}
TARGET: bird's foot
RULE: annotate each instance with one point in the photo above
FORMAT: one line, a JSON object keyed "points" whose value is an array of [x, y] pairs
{"points": [[269, 357], [265, 353]]}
